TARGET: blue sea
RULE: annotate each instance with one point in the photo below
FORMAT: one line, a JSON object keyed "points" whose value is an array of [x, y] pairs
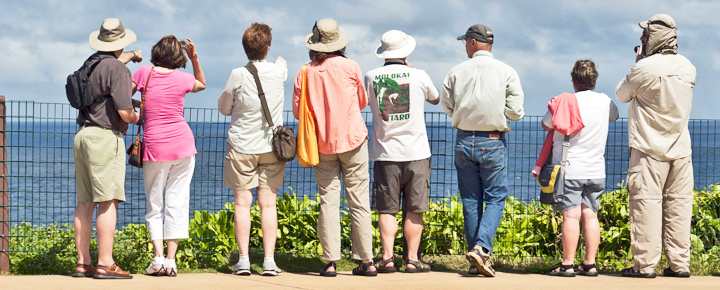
{"points": [[42, 184]]}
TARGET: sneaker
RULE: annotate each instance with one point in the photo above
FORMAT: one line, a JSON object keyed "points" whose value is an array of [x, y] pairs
{"points": [[481, 261], [680, 274], [630, 272], [270, 269], [473, 270], [241, 268], [171, 271], [155, 269]]}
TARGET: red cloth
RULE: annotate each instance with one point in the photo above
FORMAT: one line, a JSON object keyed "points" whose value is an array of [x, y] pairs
{"points": [[566, 120]]}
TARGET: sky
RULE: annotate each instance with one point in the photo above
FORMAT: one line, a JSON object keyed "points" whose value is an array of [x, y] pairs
{"points": [[42, 41]]}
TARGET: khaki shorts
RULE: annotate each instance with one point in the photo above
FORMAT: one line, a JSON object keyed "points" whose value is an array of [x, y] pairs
{"points": [[99, 155], [248, 171], [408, 181]]}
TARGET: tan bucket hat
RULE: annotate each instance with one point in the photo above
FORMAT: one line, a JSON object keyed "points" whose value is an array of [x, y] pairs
{"points": [[112, 36], [326, 37], [395, 44]]}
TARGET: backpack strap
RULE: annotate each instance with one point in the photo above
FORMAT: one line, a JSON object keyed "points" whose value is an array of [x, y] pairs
{"points": [[253, 70]]}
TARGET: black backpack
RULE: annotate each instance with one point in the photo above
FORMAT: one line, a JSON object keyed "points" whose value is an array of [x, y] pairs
{"points": [[78, 89]]}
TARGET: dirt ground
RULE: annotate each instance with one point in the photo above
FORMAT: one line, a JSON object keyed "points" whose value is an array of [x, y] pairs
{"points": [[345, 280]]}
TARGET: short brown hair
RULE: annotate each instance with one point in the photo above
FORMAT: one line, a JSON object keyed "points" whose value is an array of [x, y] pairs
{"points": [[584, 75], [319, 57], [256, 41], [168, 53]]}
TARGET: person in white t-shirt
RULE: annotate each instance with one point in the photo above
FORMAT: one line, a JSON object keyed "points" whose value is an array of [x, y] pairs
{"points": [[585, 170], [399, 146], [249, 160]]}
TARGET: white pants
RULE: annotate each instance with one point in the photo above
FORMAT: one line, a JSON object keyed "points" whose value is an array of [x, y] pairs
{"points": [[167, 194]]}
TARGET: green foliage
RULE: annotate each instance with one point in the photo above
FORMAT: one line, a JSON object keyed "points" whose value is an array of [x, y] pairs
{"points": [[527, 240]]}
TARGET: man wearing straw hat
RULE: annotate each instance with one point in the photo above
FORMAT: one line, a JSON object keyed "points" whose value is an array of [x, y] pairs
{"points": [[399, 146], [99, 150], [481, 95]]}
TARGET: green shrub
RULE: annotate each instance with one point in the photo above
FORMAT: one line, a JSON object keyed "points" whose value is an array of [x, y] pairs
{"points": [[527, 232]]}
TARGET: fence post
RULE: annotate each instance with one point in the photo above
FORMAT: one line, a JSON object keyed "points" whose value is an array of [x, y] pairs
{"points": [[4, 195]]}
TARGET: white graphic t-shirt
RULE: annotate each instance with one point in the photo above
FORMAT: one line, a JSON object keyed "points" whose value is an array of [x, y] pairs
{"points": [[397, 95]]}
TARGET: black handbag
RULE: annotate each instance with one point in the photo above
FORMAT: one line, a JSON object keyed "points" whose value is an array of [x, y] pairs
{"points": [[284, 143], [135, 151], [552, 177]]}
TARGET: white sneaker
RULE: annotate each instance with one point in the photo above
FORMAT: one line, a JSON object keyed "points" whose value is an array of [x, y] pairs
{"points": [[270, 269], [155, 269], [171, 271], [241, 268]]}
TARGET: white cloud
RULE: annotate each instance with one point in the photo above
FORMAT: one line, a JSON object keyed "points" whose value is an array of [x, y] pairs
{"points": [[43, 41]]}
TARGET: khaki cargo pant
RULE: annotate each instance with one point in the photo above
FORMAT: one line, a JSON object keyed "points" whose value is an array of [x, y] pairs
{"points": [[661, 200], [355, 175]]}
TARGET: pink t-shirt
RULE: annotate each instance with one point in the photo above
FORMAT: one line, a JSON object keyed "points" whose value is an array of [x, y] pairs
{"points": [[167, 136]]}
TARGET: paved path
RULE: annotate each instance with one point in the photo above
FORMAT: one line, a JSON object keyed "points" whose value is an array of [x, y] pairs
{"points": [[345, 280]]}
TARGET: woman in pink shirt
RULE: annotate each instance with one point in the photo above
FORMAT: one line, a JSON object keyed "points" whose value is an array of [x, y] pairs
{"points": [[169, 153], [336, 95]]}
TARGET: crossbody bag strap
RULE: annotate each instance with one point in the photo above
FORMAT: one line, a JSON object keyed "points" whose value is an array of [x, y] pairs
{"points": [[253, 70], [142, 102], [566, 146]]}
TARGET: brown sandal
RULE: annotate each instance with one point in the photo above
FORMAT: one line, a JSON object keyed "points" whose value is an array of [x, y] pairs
{"points": [[112, 272], [89, 271]]}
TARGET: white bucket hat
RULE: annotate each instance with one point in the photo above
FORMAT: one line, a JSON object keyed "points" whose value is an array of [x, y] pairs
{"points": [[326, 37], [395, 44], [112, 36]]}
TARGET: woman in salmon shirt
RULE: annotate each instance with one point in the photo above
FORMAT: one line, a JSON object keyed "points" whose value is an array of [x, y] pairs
{"points": [[169, 153], [336, 95]]}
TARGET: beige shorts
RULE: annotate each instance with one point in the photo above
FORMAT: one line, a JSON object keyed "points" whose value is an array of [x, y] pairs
{"points": [[248, 171], [99, 155]]}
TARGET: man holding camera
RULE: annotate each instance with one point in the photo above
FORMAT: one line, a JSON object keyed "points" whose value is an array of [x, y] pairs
{"points": [[660, 175]]}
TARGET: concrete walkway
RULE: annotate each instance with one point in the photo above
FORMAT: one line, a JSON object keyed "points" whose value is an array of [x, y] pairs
{"points": [[345, 280]]}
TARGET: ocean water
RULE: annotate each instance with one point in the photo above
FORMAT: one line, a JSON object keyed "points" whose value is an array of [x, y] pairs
{"points": [[42, 184]]}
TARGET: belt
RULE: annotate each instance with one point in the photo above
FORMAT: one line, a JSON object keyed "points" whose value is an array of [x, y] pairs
{"points": [[481, 132]]}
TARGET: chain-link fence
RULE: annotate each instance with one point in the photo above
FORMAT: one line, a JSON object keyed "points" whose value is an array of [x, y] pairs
{"points": [[41, 173]]}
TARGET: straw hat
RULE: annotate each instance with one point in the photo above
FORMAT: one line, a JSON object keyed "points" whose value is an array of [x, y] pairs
{"points": [[112, 36], [326, 37], [395, 44]]}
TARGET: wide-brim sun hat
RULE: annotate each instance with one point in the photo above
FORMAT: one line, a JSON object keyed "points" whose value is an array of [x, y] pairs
{"points": [[326, 37], [395, 44], [112, 36]]}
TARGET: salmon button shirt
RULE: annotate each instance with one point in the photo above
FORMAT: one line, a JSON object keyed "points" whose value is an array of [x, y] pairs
{"points": [[336, 96]]}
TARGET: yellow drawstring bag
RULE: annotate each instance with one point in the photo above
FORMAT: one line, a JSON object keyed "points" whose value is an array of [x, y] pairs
{"points": [[307, 147]]}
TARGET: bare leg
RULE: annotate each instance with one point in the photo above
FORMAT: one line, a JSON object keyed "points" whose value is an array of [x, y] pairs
{"points": [[172, 246], [158, 248], [243, 202], [413, 231], [570, 235], [591, 229], [83, 230], [388, 228], [267, 199], [105, 226]]}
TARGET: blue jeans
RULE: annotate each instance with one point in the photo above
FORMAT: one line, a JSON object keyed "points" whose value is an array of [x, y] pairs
{"points": [[481, 164]]}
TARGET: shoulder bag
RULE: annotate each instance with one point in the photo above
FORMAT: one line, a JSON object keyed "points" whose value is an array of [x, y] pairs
{"points": [[135, 151], [283, 141], [552, 176]]}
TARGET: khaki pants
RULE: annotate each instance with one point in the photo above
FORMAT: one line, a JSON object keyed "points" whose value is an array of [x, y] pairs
{"points": [[354, 168], [661, 196]]}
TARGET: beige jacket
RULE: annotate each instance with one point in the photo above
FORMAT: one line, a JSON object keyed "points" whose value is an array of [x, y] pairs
{"points": [[482, 94], [660, 88]]}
